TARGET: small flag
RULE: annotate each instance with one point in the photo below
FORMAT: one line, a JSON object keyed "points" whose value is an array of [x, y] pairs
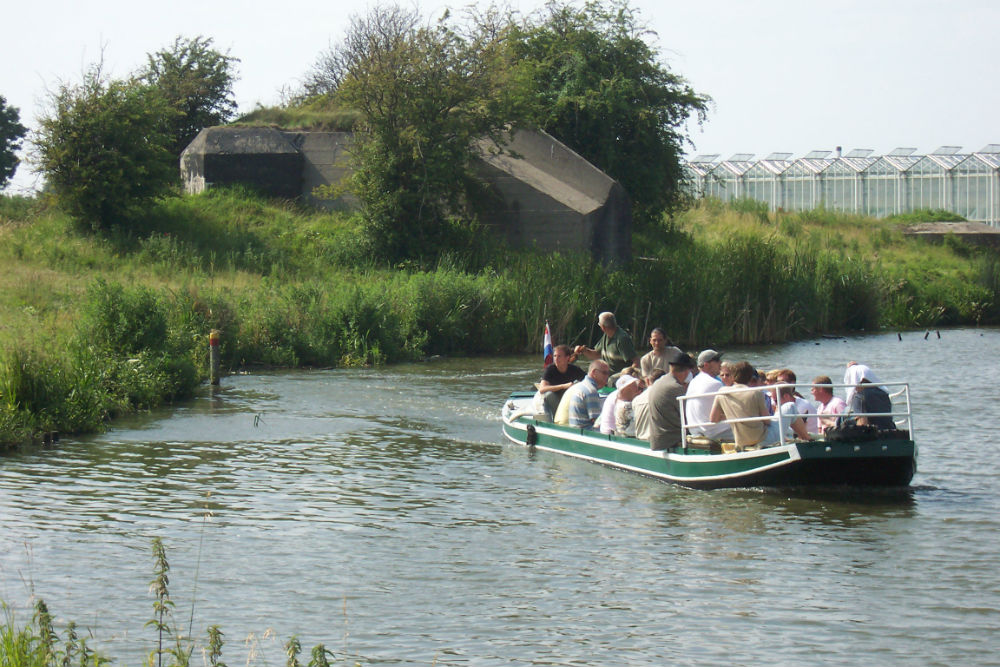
{"points": [[547, 346]]}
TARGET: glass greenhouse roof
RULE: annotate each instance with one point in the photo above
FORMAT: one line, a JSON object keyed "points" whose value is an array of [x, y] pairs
{"points": [[860, 181]]}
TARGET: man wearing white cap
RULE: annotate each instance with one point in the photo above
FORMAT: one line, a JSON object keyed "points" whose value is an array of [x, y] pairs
{"points": [[606, 423], [698, 410]]}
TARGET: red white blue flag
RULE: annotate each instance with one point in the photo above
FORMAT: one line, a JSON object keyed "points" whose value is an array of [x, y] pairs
{"points": [[547, 347]]}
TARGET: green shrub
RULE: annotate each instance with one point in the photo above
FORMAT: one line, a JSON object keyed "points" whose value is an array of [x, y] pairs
{"points": [[758, 210], [925, 215], [125, 321], [16, 208], [103, 149], [31, 384]]}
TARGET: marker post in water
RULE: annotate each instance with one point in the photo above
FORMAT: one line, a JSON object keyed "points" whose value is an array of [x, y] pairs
{"points": [[213, 355]]}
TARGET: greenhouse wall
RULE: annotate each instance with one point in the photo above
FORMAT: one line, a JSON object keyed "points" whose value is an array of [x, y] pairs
{"points": [[900, 182]]}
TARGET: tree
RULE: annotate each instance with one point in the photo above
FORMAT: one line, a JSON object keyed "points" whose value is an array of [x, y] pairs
{"points": [[427, 95], [103, 149], [592, 81], [11, 134], [197, 81]]}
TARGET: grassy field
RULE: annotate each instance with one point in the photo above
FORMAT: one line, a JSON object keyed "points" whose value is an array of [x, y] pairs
{"points": [[95, 326]]}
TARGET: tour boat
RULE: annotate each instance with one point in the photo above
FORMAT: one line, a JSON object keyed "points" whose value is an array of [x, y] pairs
{"points": [[869, 458]]}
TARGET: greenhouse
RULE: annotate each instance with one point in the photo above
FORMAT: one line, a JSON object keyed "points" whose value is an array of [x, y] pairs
{"points": [[967, 184]]}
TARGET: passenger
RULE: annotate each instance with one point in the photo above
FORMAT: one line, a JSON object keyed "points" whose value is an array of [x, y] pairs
{"points": [[624, 414], [581, 404], [664, 408], [557, 377], [828, 403], [699, 410], [759, 379], [805, 408], [607, 420], [726, 373], [865, 394], [615, 346], [771, 378], [659, 356], [640, 406], [855, 374], [872, 398], [737, 403], [788, 418]]}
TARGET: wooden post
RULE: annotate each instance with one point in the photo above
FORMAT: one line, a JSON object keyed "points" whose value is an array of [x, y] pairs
{"points": [[213, 355]]}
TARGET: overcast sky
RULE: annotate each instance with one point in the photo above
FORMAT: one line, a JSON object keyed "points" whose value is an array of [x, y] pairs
{"points": [[784, 75]]}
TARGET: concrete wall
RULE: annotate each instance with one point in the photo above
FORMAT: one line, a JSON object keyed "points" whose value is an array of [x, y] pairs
{"points": [[544, 194], [551, 197], [326, 162]]}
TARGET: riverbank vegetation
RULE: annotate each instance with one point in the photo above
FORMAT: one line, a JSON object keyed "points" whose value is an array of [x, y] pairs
{"points": [[94, 326]]}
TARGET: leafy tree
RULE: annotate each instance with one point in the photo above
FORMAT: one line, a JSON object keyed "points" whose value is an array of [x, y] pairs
{"points": [[103, 149], [11, 134], [197, 81], [593, 81], [427, 95]]}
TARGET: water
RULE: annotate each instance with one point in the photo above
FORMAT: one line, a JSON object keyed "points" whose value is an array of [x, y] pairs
{"points": [[381, 513]]}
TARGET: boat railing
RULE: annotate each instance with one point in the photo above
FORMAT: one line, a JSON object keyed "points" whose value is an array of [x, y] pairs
{"points": [[899, 394]]}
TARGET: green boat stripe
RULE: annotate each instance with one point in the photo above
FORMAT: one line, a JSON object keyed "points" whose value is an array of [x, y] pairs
{"points": [[641, 459]]}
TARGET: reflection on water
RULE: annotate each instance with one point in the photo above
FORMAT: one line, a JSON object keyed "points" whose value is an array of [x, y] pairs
{"points": [[381, 513]]}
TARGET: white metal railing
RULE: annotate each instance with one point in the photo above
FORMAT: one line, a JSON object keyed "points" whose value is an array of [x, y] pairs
{"points": [[899, 394]]}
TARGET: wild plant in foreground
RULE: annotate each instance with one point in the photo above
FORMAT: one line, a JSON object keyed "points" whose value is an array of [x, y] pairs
{"points": [[162, 608], [37, 644], [214, 653]]}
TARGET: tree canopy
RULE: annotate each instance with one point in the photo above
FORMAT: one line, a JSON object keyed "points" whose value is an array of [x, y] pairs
{"points": [[593, 80], [103, 148], [197, 81], [427, 94], [11, 134]]}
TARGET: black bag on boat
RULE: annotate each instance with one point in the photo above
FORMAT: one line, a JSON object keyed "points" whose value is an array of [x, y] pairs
{"points": [[847, 430]]}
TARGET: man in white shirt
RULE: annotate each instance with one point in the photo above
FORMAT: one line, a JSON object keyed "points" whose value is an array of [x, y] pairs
{"points": [[804, 407], [699, 410]]}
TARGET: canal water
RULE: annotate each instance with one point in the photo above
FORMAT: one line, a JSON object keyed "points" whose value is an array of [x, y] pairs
{"points": [[381, 513]]}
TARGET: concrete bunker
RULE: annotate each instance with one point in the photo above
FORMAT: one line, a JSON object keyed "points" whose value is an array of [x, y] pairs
{"points": [[547, 196]]}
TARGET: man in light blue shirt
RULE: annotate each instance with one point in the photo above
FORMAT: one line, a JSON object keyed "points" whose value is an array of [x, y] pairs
{"points": [[581, 404]]}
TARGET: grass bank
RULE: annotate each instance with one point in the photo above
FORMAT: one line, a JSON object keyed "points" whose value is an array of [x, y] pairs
{"points": [[92, 327]]}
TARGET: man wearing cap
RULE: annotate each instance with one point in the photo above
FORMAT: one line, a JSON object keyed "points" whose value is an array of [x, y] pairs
{"points": [[624, 412], [664, 408], [615, 346], [581, 404], [625, 390], [699, 410]]}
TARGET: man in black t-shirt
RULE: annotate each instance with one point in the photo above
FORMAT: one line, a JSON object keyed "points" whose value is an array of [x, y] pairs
{"points": [[558, 377]]}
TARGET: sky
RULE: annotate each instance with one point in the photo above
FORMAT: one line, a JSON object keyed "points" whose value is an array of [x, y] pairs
{"points": [[784, 75]]}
